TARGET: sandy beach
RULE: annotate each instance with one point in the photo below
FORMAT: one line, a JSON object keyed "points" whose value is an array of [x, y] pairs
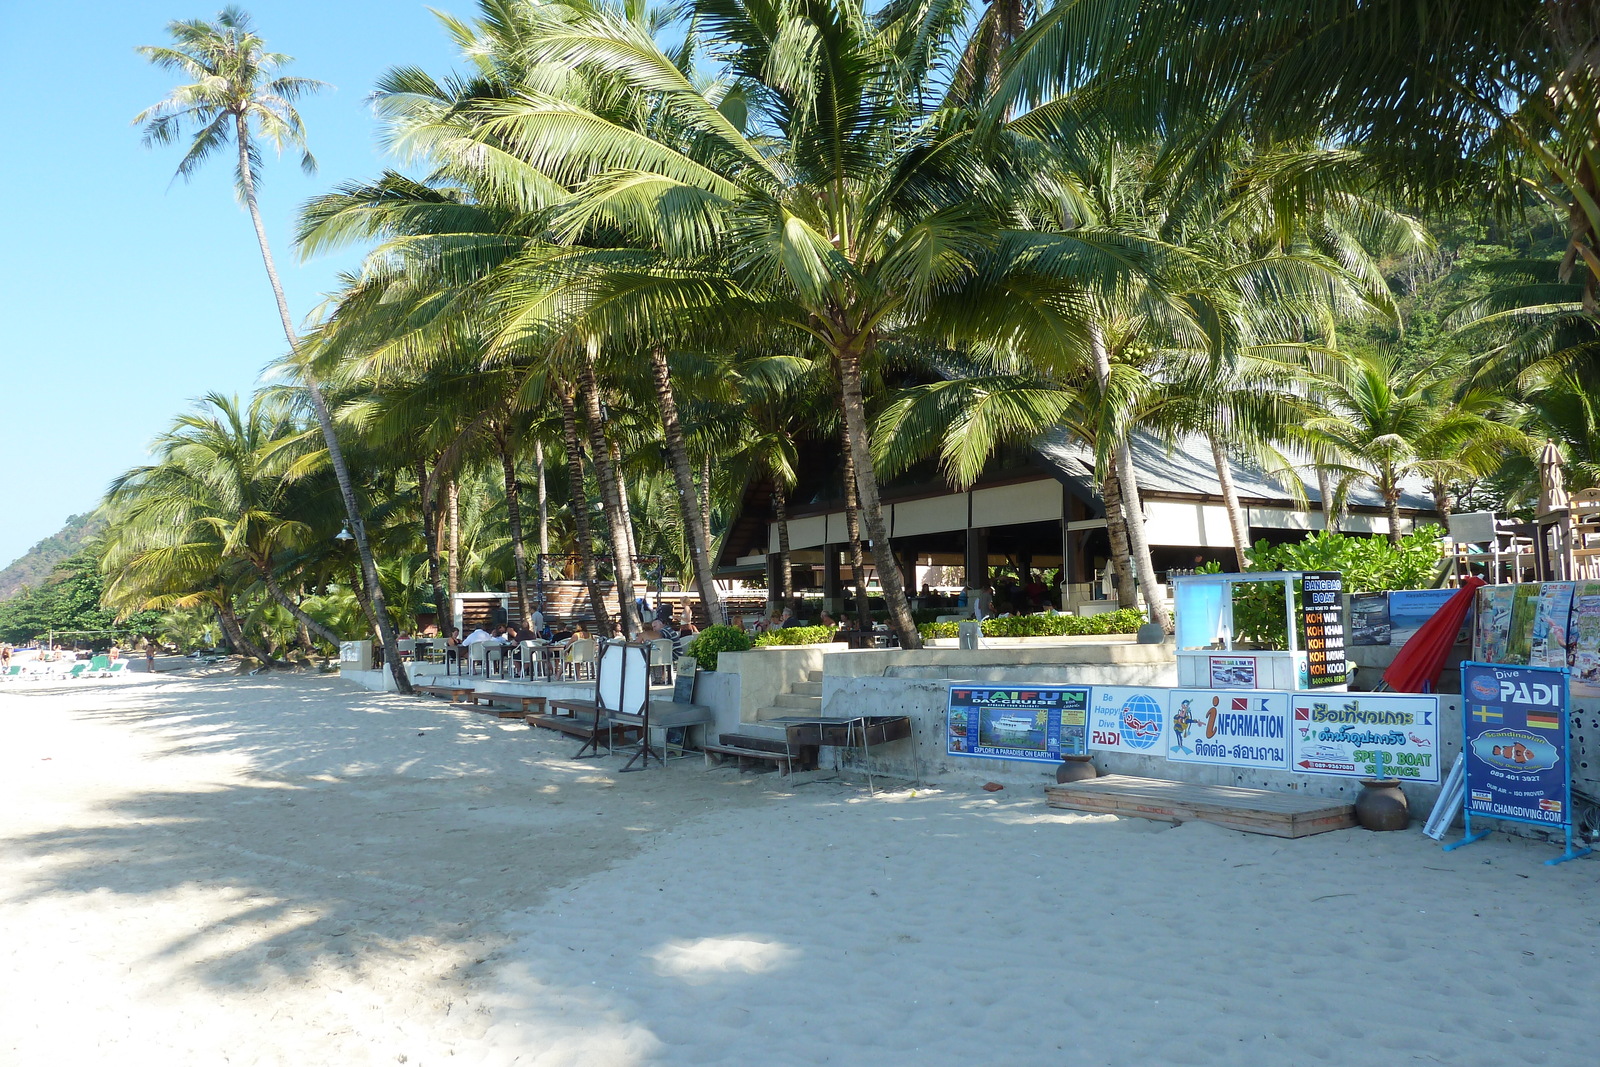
{"points": [[289, 870]]}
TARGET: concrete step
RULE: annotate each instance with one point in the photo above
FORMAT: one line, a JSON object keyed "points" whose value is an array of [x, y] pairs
{"points": [[809, 689], [799, 701], [814, 676], [771, 712]]}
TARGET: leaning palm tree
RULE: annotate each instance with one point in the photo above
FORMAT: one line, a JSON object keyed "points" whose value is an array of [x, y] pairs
{"points": [[237, 95]]}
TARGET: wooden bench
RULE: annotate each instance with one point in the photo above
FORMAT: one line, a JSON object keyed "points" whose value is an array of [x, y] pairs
{"points": [[518, 705], [576, 726], [716, 753], [457, 694], [1257, 811]]}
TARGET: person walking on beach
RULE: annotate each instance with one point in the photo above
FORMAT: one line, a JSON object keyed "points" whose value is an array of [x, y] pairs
{"points": [[150, 655]]}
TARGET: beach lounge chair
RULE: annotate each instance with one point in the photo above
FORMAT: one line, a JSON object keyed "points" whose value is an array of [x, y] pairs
{"points": [[78, 670], [119, 667]]}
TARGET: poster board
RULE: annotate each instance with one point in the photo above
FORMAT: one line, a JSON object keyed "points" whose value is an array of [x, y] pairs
{"points": [[1517, 762], [1342, 733], [1322, 618], [1583, 633], [1493, 608], [1038, 724], [1410, 609], [1552, 612], [1369, 619], [1228, 728], [1126, 718], [1232, 672]]}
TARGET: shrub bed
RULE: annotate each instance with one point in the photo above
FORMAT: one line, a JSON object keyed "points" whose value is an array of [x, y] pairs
{"points": [[1124, 621], [795, 635], [711, 641]]}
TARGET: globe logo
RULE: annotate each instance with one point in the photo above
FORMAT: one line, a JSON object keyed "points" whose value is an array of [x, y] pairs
{"points": [[1140, 721]]}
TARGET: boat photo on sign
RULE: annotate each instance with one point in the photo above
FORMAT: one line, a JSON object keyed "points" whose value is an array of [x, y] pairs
{"points": [[1343, 734], [1037, 723], [1228, 727], [1125, 718]]}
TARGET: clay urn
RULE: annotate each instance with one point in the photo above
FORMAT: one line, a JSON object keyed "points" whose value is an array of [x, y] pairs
{"points": [[1075, 769], [1382, 805]]}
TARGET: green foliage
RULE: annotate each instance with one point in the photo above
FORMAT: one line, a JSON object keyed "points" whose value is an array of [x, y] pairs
{"points": [[1368, 564], [71, 601], [714, 640], [1124, 621], [796, 635]]}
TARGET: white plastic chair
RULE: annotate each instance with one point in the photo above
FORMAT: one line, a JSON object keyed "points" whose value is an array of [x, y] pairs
{"points": [[662, 656], [581, 658], [478, 655]]}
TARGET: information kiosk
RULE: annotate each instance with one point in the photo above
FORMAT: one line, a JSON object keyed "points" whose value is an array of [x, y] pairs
{"points": [[1212, 654]]}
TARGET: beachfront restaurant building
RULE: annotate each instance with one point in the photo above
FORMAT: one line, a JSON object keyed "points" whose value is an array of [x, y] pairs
{"points": [[1036, 509]]}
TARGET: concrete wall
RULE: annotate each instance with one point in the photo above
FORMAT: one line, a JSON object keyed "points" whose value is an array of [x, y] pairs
{"points": [[763, 673]]}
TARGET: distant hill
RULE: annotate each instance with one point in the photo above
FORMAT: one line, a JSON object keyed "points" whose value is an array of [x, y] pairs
{"points": [[33, 569]]}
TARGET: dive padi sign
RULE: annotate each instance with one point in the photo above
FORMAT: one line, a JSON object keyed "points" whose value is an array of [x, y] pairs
{"points": [[1521, 691]]}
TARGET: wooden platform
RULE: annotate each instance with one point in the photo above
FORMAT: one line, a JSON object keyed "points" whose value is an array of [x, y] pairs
{"points": [[1257, 811], [517, 704], [458, 694]]}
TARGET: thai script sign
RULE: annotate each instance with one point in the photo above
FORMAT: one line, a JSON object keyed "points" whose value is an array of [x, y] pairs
{"points": [[1041, 723], [1517, 763], [1323, 619], [1343, 734], [1228, 727], [1127, 719]]}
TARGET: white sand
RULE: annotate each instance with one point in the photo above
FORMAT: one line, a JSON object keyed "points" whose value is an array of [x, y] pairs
{"points": [[281, 871]]}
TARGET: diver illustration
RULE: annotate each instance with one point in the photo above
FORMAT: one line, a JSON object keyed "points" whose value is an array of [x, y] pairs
{"points": [[1183, 720]]}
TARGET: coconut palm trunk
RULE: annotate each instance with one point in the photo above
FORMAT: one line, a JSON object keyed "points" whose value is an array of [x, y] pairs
{"points": [[689, 505], [1389, 487], [1230, 499], [1329, 505], [1133, 509], [580, 510], [264, 568], [610, 491], [544, 498], [229, 621], [1122, 579], [453, 532], [319, 405], [852, 533], [780, 507], [519, 551], [428, 501], [860, 445], [624, 504]]}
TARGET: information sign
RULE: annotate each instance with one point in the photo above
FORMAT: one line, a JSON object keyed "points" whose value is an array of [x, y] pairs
{"points": [[1041, 723], [1124, 718], [1228, 727], [1518, 762], [1343, 734], [1321, 608]]}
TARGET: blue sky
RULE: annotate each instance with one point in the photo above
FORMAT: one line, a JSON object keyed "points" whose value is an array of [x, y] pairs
{"points": [[123, 297]]}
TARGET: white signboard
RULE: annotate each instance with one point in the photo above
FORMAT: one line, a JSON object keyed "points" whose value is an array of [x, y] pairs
{"points": [[1228, 727], [1342, 734], [1126, 718]]}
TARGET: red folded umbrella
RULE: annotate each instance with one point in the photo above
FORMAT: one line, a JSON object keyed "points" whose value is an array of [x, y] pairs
{"points": [[1417, 666]]}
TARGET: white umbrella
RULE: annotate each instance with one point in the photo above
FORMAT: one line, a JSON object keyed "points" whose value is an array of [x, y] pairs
{"points": [[1552, 481]]}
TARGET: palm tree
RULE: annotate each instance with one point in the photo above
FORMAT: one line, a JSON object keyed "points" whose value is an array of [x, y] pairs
{"points": [[236, 95], [1395, 421], [225, 468]]}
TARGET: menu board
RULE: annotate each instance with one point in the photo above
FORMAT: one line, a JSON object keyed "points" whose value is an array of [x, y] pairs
{"points": [[1321, 593]]}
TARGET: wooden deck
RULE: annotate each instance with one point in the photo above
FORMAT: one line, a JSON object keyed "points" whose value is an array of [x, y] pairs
{"points": [[1256, 811]]}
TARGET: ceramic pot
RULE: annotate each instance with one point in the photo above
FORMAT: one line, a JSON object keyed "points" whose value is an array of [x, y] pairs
{"points": [[1075, 769], [1382, 805]]}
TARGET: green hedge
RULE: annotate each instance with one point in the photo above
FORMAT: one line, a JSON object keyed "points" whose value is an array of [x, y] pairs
{"points": [[796, 635], [711, 641], [1124, 621]]}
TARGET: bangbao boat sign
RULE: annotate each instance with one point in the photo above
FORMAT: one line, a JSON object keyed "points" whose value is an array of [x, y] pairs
{"points": [[1344, 733], [1517, 760], [1041, 723], [1228, 727]]}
